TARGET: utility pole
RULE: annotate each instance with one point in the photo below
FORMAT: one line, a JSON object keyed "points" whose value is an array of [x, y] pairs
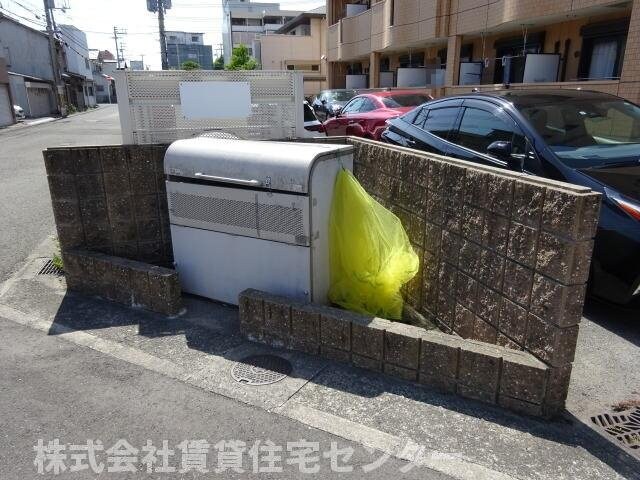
{"points": [[115, 37], [117, 32], [163, 40], [57, 76]]}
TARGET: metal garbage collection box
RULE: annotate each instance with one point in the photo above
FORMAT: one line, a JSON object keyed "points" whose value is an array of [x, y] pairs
{"points": [[252, 214]]}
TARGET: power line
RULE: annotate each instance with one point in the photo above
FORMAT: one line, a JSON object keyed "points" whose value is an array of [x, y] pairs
{"points": [[37, 14], [13, 14]]}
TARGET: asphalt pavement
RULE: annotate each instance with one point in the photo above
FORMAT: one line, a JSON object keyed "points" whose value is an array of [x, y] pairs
{"points": [[25, 206]]}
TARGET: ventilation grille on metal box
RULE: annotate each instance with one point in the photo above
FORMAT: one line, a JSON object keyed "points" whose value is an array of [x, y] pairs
{"points": [[255, 216]]}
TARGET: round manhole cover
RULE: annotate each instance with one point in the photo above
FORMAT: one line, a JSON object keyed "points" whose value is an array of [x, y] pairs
{"points": [[261, 370]]}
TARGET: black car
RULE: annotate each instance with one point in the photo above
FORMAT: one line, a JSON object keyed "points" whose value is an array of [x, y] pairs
{"points": [[586, 138], [328, 102]]}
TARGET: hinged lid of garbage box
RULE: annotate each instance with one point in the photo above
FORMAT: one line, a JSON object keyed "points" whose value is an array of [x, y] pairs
{"points": [[279, 166]]}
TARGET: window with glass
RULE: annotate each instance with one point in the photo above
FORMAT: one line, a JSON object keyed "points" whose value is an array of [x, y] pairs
{"points": [[419, 119], [603, 46], [588, 132], [480, 128], [339, 95], [353, 106], [410, 100], [440, 121], [367, 105]]}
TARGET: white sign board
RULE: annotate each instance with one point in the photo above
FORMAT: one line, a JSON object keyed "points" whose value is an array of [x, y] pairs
{"points": [[215, 100], [541, 68], [470, 73]]}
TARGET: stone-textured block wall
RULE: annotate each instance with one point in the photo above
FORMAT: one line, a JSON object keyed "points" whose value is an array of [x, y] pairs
{"points": [[111, 199], [504, 257], [123, 281], [512, 379]]}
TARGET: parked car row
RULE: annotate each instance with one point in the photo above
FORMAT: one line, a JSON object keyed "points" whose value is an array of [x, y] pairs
{"points": [[585, 138], [359, 113]]}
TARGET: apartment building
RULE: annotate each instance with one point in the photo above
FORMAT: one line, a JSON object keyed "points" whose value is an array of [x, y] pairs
{"points": [[454, 46], [299, 45], [185, 46], [77, 74], [243, 20]]}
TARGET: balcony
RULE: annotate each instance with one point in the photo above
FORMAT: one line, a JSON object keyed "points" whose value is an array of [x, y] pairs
{"points": [[604, 86], [357, 36]]}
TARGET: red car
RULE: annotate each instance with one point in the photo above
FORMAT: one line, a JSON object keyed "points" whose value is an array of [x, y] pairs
{"points": [[365, 115]]}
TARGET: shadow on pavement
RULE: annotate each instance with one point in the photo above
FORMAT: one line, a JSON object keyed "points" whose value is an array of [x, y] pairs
{"points": [[79, 312]]}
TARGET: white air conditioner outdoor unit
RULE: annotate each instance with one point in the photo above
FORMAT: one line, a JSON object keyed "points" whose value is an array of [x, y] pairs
{"points": [[250, 214]]}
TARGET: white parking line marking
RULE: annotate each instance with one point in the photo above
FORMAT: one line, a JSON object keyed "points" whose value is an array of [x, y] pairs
{"points": [[401, 448]]}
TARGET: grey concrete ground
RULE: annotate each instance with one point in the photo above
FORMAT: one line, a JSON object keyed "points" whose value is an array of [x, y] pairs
{"points": [[25, 207], [56, 389], [78, 368], [459, 438]]}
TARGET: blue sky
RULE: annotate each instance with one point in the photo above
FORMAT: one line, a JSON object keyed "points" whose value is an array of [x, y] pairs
{"points": [[98, 17]]}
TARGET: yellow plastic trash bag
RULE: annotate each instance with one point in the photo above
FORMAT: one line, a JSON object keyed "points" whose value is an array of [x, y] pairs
{"points": [[371, 256]]}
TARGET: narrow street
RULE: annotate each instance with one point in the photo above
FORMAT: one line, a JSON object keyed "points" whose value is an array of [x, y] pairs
{"points": [[25, 206]]}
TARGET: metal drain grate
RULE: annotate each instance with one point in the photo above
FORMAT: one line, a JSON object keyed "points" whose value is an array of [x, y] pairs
{"points": [[624, 426], [261, 370], [50, 269]]}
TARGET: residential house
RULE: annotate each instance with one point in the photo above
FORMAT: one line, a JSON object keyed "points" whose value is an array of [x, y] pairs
{"points": [[299, 45], [184, 46], [457, 46], [77, 74], [29, 68], [243, 20], [103, 67]]}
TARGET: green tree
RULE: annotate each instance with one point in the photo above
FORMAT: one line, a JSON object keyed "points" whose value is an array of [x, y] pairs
{"points": [[241, 60], [190, 65], [218, 64]]}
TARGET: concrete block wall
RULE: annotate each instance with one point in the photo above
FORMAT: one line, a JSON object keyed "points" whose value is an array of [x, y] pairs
{"points": [[512, 379], [124, 281], [112, 219], [111, 199], [504, 257]]}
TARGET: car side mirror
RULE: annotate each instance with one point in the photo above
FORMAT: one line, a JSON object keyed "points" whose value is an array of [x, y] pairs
{"points": [[503, 151], [337, 112], [500, 149]]}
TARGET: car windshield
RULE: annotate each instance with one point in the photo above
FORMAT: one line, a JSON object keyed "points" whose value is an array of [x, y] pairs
{"points": [[587, 133], [340, 95], [406, 100]]}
